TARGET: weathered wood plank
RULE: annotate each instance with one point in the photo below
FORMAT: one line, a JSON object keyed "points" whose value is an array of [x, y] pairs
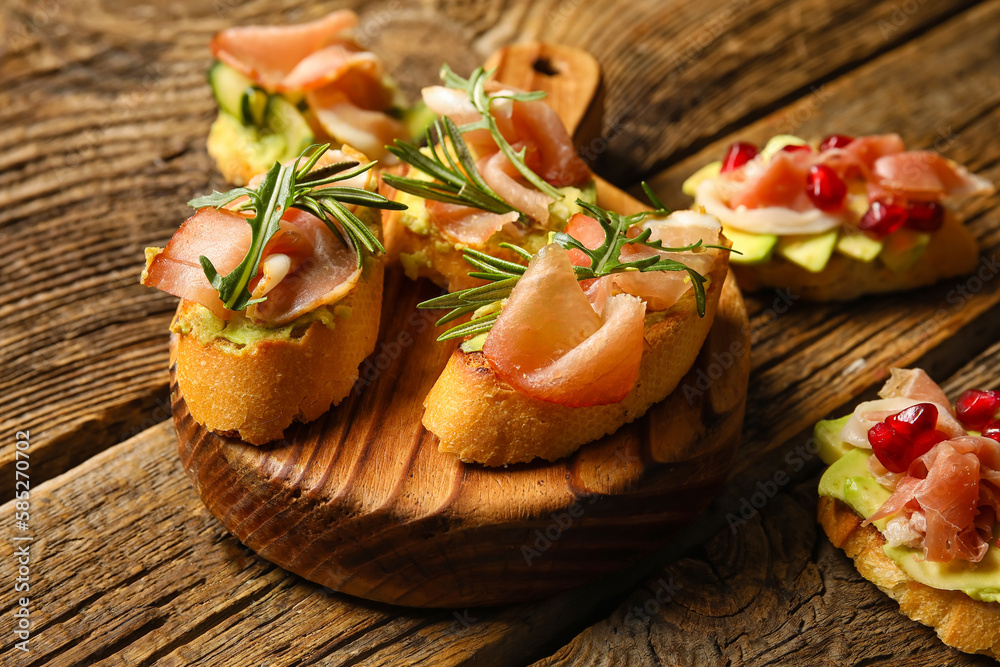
{"points": [[104, 111]]}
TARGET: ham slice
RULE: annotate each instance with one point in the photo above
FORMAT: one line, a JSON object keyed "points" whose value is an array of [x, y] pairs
{"points": [[506, 181], [914, 383], [345, 85], [953, 486], [303, 266], [658, 289], [321, 269], [466, 225], [927, 175], [268, 55], [768, 196], [221, 235], [903, 389], [550, 344], [533, 126], [368, 131]]}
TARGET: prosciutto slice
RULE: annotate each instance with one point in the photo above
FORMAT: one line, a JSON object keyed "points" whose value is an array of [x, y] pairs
{"points": [[954, 486], [345, 85], [927, 175], [658, 289], [530, 126], [368, 131], [550, 344], [270, 55], [904, 388], [768, 196], [303, 266], [309, 266]]}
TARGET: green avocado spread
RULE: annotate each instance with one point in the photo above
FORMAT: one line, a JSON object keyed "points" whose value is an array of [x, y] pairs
{"points": [[849, 480], [417, 220], [201, 323]]}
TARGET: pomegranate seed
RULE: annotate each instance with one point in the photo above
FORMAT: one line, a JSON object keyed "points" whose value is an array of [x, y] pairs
{"points": [[835, 141], [882, 218], [890, 448], [905, 436], [791, 148], [925, 216], [992, 430], [825, 189], [915, 420], [976, 407], [737, 155], [924, 442]]}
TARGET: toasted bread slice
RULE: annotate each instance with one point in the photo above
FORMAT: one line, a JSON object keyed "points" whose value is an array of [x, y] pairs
{"points": [[951, 251], [258, 389], [484, 420], [972, 626]]}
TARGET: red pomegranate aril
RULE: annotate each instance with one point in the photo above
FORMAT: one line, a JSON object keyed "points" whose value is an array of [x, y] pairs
{"points": [[835, 141], [914, 420], [925, 216], [975, 408], [924, 442], [890, 448], [737, 155], [791, 148], [882, 218], [825, 189], [992, 430]]}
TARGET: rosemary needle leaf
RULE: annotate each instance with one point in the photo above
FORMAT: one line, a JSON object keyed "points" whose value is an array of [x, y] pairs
{"points": [[604, 261], [294, 186]]}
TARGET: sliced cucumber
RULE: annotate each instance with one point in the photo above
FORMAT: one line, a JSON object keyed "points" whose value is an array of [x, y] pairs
{"points": [[417, 119], [228, 87], [253, 105], [281, 117]]}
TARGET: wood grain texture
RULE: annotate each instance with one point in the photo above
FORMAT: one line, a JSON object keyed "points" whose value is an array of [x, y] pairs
{"points": [[104, 112], [68, 122]]}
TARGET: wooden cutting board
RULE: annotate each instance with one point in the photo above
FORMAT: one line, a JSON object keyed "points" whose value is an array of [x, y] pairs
{"points": [[362, 501]]}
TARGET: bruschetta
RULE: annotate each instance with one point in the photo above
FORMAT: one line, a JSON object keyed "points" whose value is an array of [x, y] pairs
{"points": [[839, 218], [602, 323], [912, 495], [498, 167], [282, 88], [281, 290]]}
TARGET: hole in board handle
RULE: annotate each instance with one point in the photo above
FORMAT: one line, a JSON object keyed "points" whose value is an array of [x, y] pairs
{"points": [[545, 66]]}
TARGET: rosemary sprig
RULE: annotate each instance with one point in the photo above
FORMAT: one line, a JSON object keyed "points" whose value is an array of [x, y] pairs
{"points": [[294, 186], [456, 179], [604, 261], [475, 88], [455, 183]]}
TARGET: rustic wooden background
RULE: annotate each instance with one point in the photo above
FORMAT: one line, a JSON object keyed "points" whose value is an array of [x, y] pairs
{"points": [[103, 115]]}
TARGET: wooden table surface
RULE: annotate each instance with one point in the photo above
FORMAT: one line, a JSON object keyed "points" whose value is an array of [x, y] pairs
{"points": [[104, 110]]}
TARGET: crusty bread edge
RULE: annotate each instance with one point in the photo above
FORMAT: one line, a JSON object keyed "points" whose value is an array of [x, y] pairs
{"points": [[483, 420], [971, 626], [952, 251], [257, 391]]}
